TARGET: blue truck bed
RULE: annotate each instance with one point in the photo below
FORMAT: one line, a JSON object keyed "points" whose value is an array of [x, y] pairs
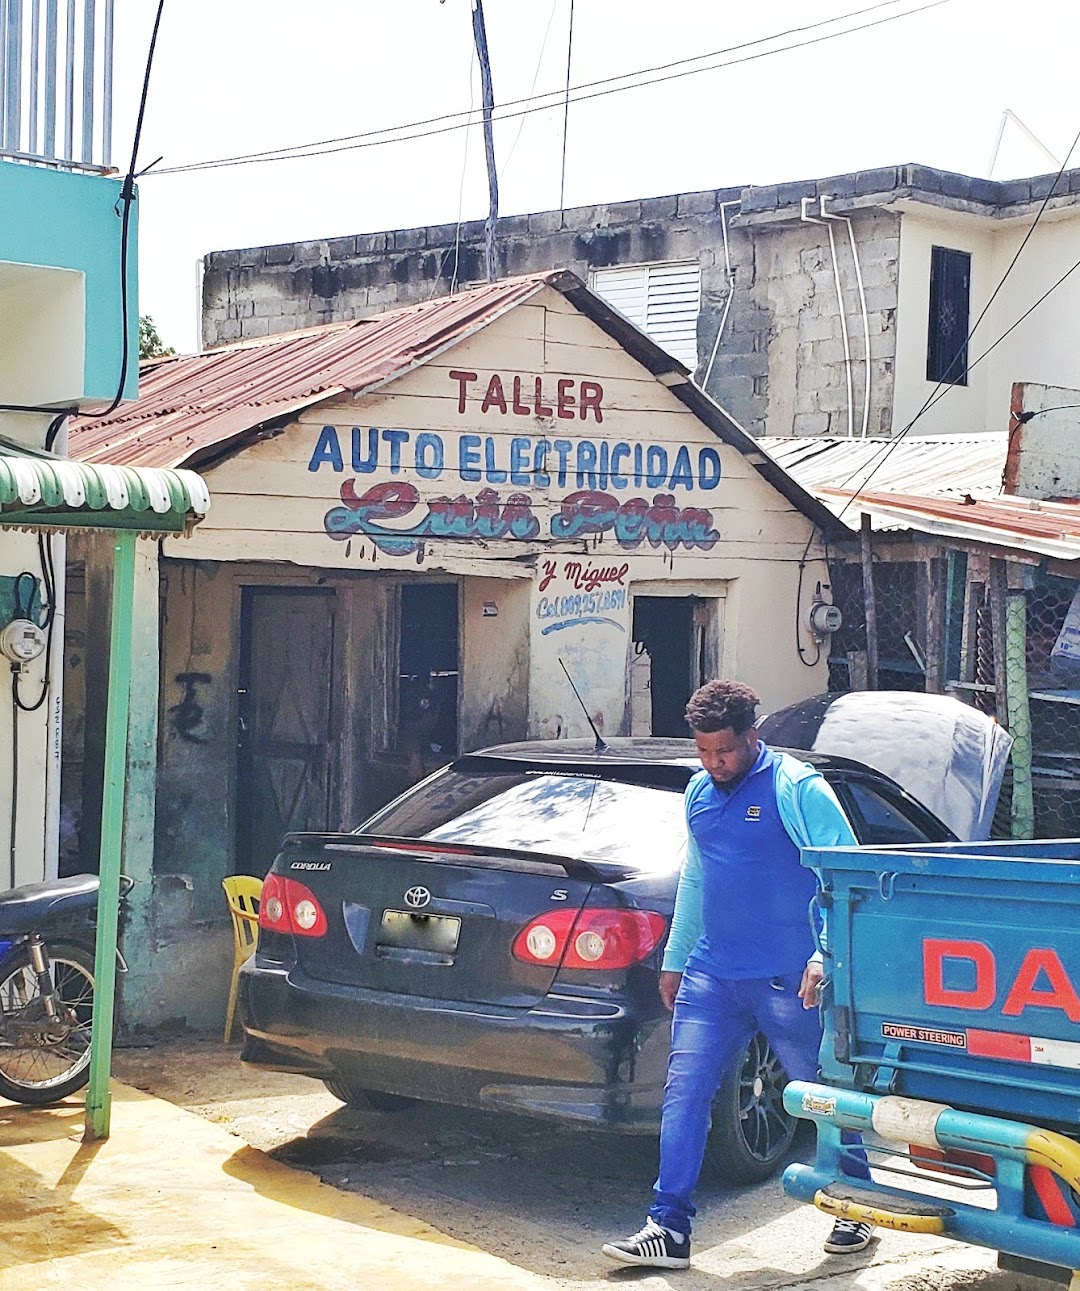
{"points": [[952, 1019]]}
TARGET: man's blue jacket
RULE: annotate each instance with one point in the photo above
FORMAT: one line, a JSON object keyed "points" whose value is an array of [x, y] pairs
{"points": [[811, 816]]}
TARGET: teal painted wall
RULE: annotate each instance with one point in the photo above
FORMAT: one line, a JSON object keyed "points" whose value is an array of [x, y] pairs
{"points": [[70, 221]]}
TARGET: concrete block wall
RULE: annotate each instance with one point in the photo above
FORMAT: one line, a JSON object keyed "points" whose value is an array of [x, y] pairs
{"points": [[780, 366]]}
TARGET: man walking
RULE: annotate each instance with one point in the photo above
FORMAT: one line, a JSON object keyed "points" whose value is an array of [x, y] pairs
{"points": [[740, 956]]}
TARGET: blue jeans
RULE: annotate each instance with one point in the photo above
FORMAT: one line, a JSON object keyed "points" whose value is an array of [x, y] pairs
{"points": [[714, 1020]]}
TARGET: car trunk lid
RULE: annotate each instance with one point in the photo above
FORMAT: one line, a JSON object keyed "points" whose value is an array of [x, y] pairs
{"points": [[432, 919]]}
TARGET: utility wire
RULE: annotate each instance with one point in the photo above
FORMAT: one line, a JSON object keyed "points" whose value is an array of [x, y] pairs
{"points": [[373, 138], [943, 386]]}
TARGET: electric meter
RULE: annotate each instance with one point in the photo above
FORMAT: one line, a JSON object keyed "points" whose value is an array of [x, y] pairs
{"points": [[825, 618], [21, 641]]}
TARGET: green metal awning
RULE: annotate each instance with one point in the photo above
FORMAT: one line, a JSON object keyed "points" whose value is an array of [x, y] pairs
{"points": [[43, 491]]}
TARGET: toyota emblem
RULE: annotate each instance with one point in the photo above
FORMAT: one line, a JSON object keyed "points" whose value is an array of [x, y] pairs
{"points": [[417, 898]]}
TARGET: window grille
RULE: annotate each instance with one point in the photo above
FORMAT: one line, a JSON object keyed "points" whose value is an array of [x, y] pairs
{"points": [[950, 305]]}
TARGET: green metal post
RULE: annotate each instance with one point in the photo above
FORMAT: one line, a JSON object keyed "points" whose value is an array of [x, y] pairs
{"points": [[98, 1097], [1023, 803]]}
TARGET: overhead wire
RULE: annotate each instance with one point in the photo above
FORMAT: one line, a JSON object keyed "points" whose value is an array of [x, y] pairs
{"points": [[373, 138], [943, 386]]}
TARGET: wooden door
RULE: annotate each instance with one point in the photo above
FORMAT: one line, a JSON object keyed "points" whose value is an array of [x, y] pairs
{"points": [[286, 718]]}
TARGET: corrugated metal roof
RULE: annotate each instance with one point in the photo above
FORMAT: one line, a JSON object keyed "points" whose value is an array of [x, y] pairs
{"points": [[1049, 528], [940, 465], [193, 408], [198, 402]]}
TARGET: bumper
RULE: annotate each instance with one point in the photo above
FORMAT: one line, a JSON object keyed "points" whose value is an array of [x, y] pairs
{"points": [[1016, 1149], [577, 1059]]}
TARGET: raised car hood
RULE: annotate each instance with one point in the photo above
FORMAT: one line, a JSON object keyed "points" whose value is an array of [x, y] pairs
{"points": [[947, 755]]}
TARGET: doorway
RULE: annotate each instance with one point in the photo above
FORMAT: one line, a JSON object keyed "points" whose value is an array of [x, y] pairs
{"points": [[285, 719], [676, 648], [428, 675]]}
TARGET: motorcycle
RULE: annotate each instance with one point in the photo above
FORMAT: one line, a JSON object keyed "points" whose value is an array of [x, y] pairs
{"points": [[47, 988]]}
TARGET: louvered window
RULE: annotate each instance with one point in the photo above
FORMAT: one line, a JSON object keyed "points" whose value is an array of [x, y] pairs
{"points": [[950, 304], [662, 299]]}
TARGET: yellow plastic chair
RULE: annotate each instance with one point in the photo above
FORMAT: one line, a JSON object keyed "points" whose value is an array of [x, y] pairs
{"points": [[243, 893]]}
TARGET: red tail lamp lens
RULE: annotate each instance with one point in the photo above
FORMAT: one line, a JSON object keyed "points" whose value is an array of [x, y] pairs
{"points": [[590, 939], [290, 907]]}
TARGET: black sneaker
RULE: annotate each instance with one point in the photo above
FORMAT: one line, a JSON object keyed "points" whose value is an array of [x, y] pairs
{"points": [[848, 1237], [654, 1247]]}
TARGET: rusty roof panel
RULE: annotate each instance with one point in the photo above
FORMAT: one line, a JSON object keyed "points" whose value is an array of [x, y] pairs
{"points": [[1049, 528], [197, 403]]}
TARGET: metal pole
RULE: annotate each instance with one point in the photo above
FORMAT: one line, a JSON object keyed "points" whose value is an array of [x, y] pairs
{"points": [[98, 1096], [1022, 813], [33, 133], [51, 51], [89, 33], [69, 85], [13, 77], [107, 95]]}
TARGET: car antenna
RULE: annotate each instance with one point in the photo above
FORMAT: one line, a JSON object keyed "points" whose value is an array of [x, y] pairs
{"points": [[601, 747]]}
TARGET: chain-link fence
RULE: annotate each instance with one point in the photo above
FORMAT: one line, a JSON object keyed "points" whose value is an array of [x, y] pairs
{"points": [[1003, 637]]}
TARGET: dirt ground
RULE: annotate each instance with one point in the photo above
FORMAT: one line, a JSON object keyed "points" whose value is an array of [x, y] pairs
{"points": [[540, 1195]]}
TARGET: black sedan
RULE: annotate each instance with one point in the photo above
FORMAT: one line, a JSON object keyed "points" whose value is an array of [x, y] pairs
{"points": [[492, 939]]}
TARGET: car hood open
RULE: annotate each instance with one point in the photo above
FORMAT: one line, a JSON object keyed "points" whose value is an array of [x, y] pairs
{"points": [[949, 756]]}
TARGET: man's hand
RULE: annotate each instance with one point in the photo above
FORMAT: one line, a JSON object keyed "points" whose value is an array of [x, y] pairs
{"points": [[669, 988], [809, 990]]}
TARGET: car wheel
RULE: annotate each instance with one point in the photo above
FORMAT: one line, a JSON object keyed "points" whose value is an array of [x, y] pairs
{"points": [[751, 1133], [375, 1098]]}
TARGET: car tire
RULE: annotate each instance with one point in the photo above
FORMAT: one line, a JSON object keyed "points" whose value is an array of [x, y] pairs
{"points": [[751, 1133], [373, 1098]]}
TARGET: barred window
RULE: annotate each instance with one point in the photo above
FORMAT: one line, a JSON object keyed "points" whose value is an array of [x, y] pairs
{"points": [[950, 305]]}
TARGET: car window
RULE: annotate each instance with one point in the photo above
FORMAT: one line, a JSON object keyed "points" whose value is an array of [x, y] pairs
{"points": [[878, 818], [561, 814]]}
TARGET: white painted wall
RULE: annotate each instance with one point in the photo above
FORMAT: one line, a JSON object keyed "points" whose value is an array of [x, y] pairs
{"points": [[1044, 348], [18, 552], [42, 341]]}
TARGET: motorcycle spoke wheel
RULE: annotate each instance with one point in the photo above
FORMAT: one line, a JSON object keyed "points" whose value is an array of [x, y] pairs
{"points": [[47, 1063]]}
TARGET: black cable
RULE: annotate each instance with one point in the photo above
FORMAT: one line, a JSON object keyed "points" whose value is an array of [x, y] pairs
{"points": [[322, 148], [942, 387]]}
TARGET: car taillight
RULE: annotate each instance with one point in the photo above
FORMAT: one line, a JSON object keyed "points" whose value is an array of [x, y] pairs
{"points": [[289, 907], [590, 939]]}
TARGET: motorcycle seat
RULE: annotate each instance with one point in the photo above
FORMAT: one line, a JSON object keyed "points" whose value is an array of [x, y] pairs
{"points": [[32, 907]]}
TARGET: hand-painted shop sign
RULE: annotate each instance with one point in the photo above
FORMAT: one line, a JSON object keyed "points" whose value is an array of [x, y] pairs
{"points": [[573, 593], [587, 487]]}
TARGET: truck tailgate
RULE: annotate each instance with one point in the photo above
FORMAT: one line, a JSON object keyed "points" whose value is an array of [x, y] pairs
{"points": [[956, 974]]}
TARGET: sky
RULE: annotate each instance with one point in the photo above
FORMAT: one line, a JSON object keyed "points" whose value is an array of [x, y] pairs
{"points": [[241, 76]]}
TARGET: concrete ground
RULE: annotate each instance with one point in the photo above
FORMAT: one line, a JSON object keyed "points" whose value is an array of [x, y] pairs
{"points": [[218, 1177]]}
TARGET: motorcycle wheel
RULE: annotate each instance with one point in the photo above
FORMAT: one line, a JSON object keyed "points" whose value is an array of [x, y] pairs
{"points": [[58, 1062]]}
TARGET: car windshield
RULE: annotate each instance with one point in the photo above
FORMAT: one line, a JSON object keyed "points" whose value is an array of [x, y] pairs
{"points": [[544, 811]]}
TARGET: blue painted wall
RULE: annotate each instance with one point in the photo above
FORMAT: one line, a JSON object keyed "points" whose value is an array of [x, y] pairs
{"points": [[71, 221]]}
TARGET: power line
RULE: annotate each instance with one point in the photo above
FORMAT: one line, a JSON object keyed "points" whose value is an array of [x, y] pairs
{"points": [[373, 138], [943, 387]]}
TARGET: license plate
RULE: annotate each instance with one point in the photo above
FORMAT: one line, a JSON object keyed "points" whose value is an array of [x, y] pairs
{"points": [[412, 931]]}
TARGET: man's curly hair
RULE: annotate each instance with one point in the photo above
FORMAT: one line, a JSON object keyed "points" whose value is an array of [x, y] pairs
{"points": [[720, 705]]}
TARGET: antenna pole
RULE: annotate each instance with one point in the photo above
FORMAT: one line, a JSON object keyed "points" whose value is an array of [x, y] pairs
{"points": [[601, 747]]}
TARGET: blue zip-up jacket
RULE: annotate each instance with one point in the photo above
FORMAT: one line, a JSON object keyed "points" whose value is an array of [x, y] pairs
{"points": [[741, 904]]}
